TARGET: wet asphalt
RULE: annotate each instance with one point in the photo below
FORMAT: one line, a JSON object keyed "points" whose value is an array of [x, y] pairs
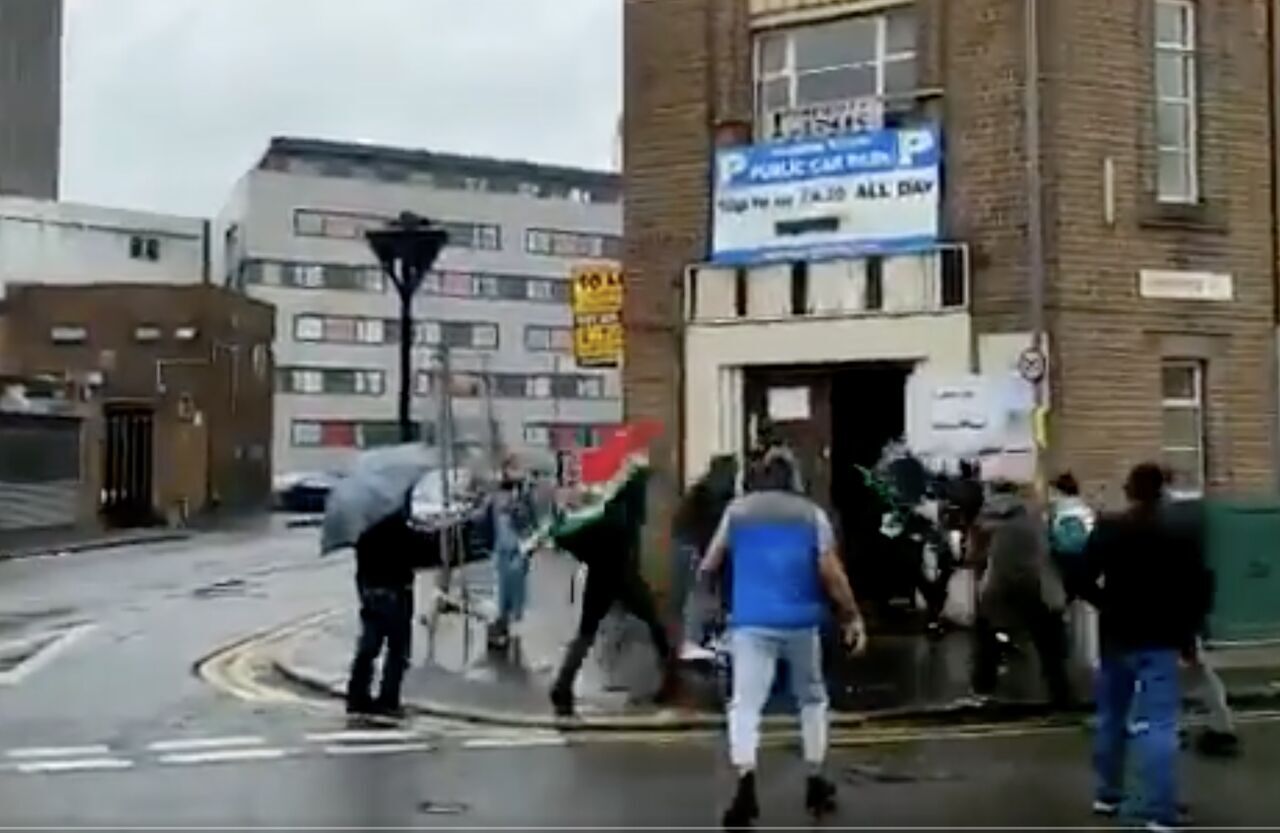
{"points": [[114, 729]]}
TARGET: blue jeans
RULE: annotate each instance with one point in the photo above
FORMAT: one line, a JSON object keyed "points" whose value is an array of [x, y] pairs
{"points": [[756, 652], [1152, 677], [511, 570]]}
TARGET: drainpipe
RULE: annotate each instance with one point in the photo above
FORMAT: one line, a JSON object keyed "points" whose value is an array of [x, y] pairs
{"points": [[1035, 211], [1273, 86]]}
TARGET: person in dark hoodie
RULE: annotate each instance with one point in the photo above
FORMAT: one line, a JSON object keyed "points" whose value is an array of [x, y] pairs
{"points": [[695, 524], [1145, 576], [1020, 592]]}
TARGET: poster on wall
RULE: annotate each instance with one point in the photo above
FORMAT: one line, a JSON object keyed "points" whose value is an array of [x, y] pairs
{"points": [[598, 336], [843, 196], [988, 418]]}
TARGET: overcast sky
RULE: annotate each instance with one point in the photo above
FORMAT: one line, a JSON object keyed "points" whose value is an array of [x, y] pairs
{"points": [[167, 102]]}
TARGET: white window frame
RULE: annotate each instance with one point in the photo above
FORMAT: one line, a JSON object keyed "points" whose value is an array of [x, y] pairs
{"points": [[306, 380], [1184, 52], [539, 289], [308, 328], [537, 387], [371, 331], [370, 382], [789, 73], [590, 387], [536, 435], [1195, 403], [427, 333], [305, 433], [484, 336]]}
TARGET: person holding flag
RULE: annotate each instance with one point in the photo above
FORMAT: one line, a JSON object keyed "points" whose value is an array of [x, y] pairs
{"points": [[605, 536], [785, 570]]}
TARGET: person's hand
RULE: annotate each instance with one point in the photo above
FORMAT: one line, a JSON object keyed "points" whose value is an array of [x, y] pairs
{"points": [[854, 635]]}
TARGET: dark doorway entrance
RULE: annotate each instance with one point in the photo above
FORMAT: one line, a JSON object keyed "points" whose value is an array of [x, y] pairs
{"points": [[127, 466]]}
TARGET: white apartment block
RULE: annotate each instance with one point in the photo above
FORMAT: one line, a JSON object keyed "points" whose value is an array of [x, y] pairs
{"points": [[293, 235], [47, 242]]}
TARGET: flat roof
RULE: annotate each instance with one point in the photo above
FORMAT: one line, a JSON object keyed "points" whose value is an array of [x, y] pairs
{"points": [[433, 162]]}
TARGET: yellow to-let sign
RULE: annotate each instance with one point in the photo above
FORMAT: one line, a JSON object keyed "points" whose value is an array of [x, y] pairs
{"points": [[597, 289], [598, 340]]}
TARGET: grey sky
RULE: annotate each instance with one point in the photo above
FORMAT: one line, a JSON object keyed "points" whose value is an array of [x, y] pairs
{"points": [[168, 102]]}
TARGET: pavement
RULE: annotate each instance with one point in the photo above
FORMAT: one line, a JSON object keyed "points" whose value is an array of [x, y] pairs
{"points": [[65, 541], [903, 676]]}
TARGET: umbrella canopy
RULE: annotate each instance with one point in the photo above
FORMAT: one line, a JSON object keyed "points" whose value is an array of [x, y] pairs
{"points": [[378, 487]]}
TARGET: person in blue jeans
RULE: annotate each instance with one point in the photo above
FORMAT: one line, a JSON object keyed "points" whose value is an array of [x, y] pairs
{"points": [[1146, 579], [512, 516]]}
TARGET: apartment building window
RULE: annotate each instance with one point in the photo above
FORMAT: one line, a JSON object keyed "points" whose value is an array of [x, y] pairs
{"points": [[334, 381], [331, 276], [539, 339], [1177, 162], [1183, 428], [537, 387], [311, 433], [537, 435], [350, 225], [540, 290], [308, 328], [870, 55], [554, 243], [340, 329], [590, 387]]}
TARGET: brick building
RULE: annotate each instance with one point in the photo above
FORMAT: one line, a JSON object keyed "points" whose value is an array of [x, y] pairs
{"points": [[183, 376], [1158, 199]]}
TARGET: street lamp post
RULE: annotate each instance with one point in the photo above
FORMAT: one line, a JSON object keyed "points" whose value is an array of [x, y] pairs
{"points": [[407, 249]]}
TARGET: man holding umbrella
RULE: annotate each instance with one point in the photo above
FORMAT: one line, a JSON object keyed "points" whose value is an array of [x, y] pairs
{"points": [[370, 510]]}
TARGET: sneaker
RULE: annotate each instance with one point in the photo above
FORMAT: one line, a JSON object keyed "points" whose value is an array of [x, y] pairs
{"points": [[562, 702], [1106, 809], [819, 797], [360, 707], [745, 809], [1218, 744]]}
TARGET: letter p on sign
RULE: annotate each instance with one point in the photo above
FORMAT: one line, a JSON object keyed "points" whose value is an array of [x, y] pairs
{"points": [[913, 143], [731, 164]]}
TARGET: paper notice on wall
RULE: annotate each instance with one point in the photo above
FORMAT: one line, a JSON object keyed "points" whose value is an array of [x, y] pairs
{"points": [[789, 404], [970, 417]]}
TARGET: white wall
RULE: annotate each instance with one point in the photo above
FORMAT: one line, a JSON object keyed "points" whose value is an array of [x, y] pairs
{"points": [[715, 355], [65, 243]]}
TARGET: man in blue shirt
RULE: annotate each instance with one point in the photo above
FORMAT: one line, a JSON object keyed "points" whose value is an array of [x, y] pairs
{"points": [[785, 572]]}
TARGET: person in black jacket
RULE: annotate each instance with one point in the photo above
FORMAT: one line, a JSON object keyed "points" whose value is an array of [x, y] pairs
{"points": [[386, 557], [695, 524], [1147, 581]]}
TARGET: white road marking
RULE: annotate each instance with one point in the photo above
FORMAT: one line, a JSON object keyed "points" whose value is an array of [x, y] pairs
{"points": [[340, 750], [223, 756], [364, 736], [196, 744], [34, 752], [515, 742], [45, 655], [77, 765]]}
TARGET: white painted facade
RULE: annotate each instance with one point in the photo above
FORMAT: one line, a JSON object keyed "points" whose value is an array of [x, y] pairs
{"points": [[727, 334], [257, 230], [47, 242]]}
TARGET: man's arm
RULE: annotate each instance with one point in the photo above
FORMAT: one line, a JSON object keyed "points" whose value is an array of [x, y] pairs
{"points": [[836, 583]]}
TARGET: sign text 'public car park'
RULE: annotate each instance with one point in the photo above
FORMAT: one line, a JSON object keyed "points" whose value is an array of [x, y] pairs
{"points": [[823, 198]]}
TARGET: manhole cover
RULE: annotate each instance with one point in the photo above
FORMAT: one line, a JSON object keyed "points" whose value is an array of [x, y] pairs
{"points": [[442, 808]]}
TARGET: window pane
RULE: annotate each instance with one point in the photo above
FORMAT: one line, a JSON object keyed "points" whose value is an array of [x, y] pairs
{"points": [[1175, 177], [773, 52], [1173, 126], [308, 328], [849, 41], [900, 34], [484, 336], [340, 329], [775, 94], [1178, 381], [1187, 469], [537, 338], [1182, 428], [1172, 24], [900, 76], [836, 85], [306, 433], [1172, 71]]}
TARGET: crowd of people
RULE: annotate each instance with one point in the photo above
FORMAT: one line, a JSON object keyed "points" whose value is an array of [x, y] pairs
{"points": [[771, 552]]}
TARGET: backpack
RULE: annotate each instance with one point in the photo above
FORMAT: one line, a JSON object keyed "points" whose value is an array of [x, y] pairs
{"points": [[1068, 533]]}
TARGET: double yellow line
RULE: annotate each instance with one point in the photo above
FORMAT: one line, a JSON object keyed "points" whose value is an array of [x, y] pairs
{"points": [[235, 668]]}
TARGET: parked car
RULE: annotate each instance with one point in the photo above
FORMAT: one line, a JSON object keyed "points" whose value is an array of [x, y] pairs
{"points": [[304, 492]]}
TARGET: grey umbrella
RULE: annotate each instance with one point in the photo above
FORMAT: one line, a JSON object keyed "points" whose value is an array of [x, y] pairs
{"points": [[378, 487]]}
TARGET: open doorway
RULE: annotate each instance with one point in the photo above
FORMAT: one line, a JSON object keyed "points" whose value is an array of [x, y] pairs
{"points": [[835, 418]]}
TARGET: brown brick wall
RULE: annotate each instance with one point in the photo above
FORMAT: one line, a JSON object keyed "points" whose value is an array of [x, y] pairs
{"points": [[1097, 90], [214, 462]]}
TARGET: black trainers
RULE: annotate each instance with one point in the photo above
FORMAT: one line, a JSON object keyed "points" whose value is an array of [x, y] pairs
{"points": [[1218, 744], [562, 702], [745, 809], [819, 796]]}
